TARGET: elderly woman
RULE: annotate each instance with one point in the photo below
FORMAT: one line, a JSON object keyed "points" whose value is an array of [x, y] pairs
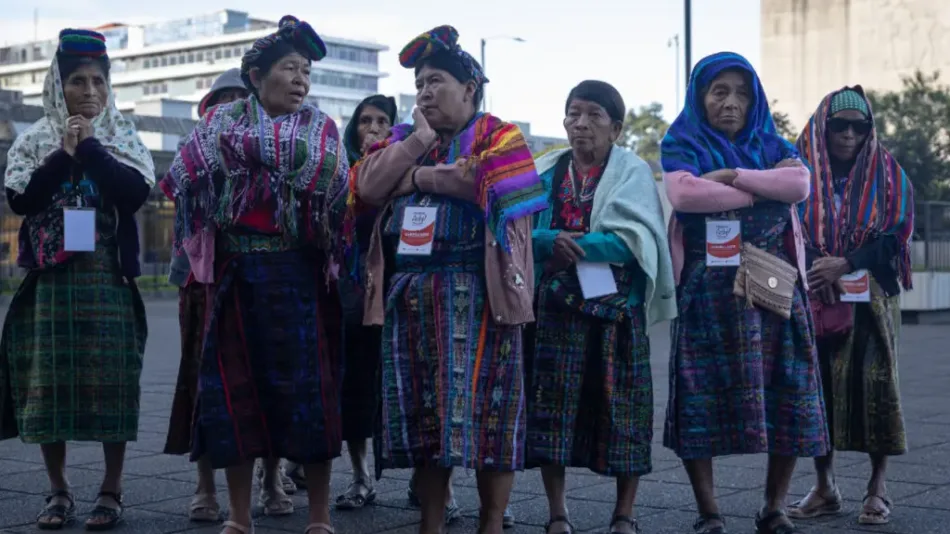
{"points": [[70, 372], [743, 369], [256, 221], [449, 276], [590, 392], [371, 123], [858, 353], [191, 313]]}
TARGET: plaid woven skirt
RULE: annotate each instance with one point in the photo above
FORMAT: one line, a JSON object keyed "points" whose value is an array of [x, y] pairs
{"points": [[191, 320], [452, 379], [73, 342], [742, 380], [268, 384], [590, 390]]}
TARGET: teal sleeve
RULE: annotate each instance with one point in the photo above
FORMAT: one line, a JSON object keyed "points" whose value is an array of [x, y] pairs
{"points": [[543, 241], [602, 247]]}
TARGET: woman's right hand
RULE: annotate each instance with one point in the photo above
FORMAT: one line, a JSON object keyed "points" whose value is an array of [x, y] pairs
{"points": [[420, 124], [723, 176], [566, 251], [71, 141]]}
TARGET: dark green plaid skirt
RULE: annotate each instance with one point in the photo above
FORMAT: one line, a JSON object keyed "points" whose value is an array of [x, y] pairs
{"points": [[71, 354]]}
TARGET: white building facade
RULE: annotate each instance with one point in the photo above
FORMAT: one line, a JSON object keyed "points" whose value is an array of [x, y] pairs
{"points": [[178, 60]]}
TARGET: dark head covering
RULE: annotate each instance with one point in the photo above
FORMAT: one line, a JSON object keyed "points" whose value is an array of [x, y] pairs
{"points": [[229, 79], [292, 35], [691, 144], [351, 136], [439, 49], [601, 93], [81, 47]]}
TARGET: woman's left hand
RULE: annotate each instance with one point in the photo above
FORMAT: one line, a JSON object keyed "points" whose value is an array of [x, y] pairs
{"points": [[81, 125], [826, 271]]}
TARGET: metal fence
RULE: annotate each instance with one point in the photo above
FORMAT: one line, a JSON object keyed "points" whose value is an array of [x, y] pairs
{"points": [[930, 250]]}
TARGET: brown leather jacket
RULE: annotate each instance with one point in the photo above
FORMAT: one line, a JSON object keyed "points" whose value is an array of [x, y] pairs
{"points": [[386, 174]]}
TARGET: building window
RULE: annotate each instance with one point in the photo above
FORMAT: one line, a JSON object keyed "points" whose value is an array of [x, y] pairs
{"points": [[164, 61], [172, 60], [227, 53], [200, 56], [191, 57], [218, 54]]}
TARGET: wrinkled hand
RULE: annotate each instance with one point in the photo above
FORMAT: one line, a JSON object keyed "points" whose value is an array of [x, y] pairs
{"points": [[81, 125], [71, 141], [566, 251], [827, 295], [827, 271], [420, 124], [368, 142], [790, 162], [723, 176]]}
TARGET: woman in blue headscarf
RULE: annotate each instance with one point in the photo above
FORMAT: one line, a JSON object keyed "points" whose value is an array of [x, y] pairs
{"points": [[743, 366]]}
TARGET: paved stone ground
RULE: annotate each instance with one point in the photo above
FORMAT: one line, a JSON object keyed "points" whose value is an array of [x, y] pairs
{"points": [[158, 487]]}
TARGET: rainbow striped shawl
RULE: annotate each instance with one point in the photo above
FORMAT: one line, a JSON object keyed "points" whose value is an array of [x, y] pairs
{"points": [[508, 184], [877, 199]]}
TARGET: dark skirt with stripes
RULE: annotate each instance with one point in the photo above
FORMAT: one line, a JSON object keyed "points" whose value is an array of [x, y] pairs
{"points": [[590, 390], [270, 367], [191, 320], [743, 380], [72, 350]]}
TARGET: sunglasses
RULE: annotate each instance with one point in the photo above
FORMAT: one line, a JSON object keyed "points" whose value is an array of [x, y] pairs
{"points": [[859, 126]]}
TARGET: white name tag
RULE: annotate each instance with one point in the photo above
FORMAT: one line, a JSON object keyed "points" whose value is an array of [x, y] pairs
{"points": [[79, 229], [418, 231], [723, 243], [857, 287], [596, 279]]}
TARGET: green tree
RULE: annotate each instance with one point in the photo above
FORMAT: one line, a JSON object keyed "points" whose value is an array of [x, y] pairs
{"points": [[783, 125], [643, 130], [914, 125]]}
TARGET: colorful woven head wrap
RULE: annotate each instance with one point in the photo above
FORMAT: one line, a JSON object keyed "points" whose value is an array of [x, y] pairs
{"points": [[84, 43], [849, 99], [876, 197], [440, 47], [292, 35], [691, 144], [115, 132]]}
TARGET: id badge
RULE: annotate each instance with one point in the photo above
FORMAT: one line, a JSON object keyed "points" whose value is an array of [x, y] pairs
{"points": [[418, 230], [79, 229], [723, 243], [857, 286]]}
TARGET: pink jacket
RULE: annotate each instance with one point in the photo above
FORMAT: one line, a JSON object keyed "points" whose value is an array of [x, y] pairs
{"points": [[689, 194]]}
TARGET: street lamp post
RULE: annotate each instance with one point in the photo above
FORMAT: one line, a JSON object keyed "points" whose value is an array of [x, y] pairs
{"points": [[688, 36], [484, 41], [675, 40]]}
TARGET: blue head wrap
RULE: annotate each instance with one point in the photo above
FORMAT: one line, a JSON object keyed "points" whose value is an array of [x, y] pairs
{"points": [[692, 145]]}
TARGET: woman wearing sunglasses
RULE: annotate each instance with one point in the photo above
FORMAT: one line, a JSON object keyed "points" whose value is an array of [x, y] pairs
{"points": [[858, 221]]}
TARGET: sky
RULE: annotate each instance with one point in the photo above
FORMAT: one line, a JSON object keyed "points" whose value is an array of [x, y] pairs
{"points": [[623, 42]]}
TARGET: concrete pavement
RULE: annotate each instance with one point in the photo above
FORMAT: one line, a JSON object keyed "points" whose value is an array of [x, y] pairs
{"points": [[158, 487]]}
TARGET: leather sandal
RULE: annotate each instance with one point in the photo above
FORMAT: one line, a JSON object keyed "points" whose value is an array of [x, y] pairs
{"points": [[815, 505], [875, 515], [559, 519], [322, 526], [767, 524], [275, 502], [356, 496], [238, 527], [702, 525], [113, 516], [204, 508], [624, 519], [65, 513]]}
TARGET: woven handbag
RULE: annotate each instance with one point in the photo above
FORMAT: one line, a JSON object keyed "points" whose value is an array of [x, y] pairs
{"points": [[766, 281]]}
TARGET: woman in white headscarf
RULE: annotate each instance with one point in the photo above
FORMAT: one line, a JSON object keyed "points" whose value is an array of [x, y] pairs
{"points": [[74, 337]]}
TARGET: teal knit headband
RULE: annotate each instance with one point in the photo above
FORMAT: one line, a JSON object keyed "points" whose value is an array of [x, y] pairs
{"points": [[849, 99]]}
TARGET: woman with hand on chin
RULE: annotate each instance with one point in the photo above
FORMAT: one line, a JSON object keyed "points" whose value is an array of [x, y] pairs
{"points": [[744, 370], [74, 336], [449, 277]]}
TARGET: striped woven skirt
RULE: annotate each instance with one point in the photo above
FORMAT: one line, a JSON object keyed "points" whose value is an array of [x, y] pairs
{"points": [[191, 320], [742, 380], [268, 384], [452, 380], [590, 392], [73, 342]]}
